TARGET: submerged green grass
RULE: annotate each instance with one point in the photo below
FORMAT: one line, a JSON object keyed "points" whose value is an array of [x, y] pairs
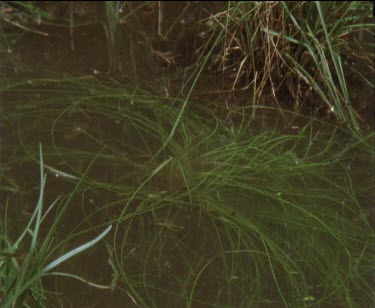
{"points": [[206, 209], [222, 215]]}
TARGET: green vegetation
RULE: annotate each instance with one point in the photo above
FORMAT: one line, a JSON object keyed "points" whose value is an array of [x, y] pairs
{"points": [[21, 272], [220, 208], [207, 208], [293, 50]]}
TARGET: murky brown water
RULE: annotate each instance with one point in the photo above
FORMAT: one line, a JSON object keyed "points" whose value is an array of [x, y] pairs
{"points": [[140, 58]]}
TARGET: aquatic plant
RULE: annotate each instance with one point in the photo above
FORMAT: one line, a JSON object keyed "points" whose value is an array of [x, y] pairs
{"points": [[207, 208], [218, 210], [21, 271]]}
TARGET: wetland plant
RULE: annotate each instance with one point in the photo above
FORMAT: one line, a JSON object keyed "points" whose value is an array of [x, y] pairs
{"points": [[206, 211], [296, 52], [221, 214], [25, 261]]}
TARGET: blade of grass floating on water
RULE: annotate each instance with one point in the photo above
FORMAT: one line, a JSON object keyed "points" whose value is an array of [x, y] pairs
{"points": [[75, 251], [73, 276], [63, 174]]}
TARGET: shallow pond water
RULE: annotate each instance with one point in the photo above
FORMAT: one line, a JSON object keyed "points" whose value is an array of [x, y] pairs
{"points": [[240, 207]]}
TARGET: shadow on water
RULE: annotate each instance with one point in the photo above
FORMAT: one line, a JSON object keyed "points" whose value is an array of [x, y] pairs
{"points": [[244, 207]]}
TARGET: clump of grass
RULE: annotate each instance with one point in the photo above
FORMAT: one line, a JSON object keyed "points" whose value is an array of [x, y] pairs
{"points": [[21, 272], [300, 53], [296, 52], [218, 215], [259, 210]]}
